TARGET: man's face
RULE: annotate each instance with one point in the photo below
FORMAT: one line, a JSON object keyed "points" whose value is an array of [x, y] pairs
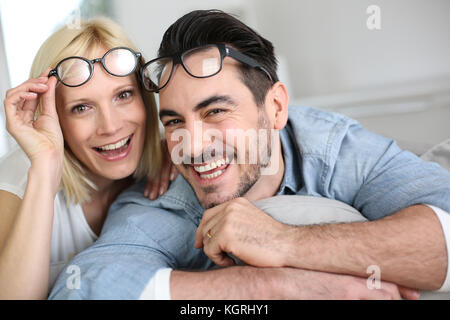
{"points": [[204, 120]]}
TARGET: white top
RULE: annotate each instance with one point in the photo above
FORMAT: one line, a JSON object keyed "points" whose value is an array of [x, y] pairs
{"points": [[71, 232]]}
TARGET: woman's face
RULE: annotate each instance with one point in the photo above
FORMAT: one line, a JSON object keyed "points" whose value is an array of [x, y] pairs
{"points": [[103, 122]]}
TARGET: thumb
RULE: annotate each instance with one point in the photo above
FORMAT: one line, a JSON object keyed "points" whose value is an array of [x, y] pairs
{"points": [[408, 293], [48, 99]]}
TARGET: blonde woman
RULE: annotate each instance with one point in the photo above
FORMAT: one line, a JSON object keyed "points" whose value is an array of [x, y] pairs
{"points": [[86, 131]]}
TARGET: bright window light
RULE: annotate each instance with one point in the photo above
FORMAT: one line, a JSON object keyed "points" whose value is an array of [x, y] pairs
{"points": [[26, 24]]}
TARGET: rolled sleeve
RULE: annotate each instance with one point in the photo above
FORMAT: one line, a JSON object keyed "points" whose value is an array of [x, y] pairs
{"points": [[159, 286], [444, 218]]}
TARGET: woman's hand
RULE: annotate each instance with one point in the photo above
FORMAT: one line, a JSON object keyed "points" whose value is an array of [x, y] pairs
{"points": [[158, 186], [41, 138]]}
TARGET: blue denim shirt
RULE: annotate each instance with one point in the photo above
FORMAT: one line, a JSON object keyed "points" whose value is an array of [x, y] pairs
{"points": [[325, 154]]}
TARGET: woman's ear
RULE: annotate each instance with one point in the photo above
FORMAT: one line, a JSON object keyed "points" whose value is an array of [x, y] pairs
{"points": [[277, 102]]}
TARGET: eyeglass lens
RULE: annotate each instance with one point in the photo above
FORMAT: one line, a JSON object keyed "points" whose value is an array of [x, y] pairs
{"points": [[120, 62], [76, 71], [200, 62]]}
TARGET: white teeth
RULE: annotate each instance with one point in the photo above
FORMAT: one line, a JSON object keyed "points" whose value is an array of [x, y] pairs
{"points": [[212, 175], [115, 146], [211, 166]]}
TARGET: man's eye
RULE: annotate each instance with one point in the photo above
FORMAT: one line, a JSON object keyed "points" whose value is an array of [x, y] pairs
{"points": [[172, 122], [215, 112], [80, 108]]}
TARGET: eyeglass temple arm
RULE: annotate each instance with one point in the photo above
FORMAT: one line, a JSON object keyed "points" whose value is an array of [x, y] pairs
{"points": [[247, 60]]}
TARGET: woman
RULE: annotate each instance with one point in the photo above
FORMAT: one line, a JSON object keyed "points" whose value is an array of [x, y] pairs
{"points": [[86, 132]]}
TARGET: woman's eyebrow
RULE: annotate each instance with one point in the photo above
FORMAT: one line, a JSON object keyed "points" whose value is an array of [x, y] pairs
{"points": [[115, 90]]}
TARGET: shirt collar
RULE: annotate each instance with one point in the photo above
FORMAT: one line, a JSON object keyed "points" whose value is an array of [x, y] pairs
{"points": [[292, 180]]}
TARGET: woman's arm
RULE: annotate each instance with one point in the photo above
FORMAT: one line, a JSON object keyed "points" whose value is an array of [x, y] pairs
{"points": [[25, 235], [26, 226]]}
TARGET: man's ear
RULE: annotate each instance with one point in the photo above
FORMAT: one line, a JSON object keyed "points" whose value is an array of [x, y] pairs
{"points": [[277, 102]]}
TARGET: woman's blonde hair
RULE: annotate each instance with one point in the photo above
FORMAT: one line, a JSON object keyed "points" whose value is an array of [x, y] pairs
{"points": [[82, 41]]}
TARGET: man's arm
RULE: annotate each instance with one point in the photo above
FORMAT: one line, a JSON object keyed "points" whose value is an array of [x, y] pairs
{"points": [[246, 282], [408, 247], [126, 257]]}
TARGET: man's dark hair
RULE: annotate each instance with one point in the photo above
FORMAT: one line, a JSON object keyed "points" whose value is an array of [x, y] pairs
{"points": [[203, 27]]}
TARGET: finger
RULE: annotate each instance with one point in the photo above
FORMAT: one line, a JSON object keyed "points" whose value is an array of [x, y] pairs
{"points": [[153, 191], [12, 109], [390, 291], [213, 250], [164, 179], [148, 187], [408, 293], [45, 73], [31, 101], [213, 226], [25, 86], [173, 173], [207, 216], [48, 99]]}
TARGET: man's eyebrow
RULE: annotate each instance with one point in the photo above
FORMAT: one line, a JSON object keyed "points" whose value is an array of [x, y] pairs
{"points": [[214, 99], [168, 113]]}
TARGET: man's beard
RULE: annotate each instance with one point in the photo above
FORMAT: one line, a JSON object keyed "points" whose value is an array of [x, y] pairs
{"points": [[250, 176]]}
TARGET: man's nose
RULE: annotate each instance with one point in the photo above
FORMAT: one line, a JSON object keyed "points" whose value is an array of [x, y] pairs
{"points": [[204, 142]]}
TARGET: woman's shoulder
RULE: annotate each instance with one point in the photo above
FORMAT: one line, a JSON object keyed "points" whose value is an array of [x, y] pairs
{"points": [[14, 168]]}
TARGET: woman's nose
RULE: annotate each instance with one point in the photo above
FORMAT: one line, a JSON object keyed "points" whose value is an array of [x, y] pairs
{"points": [[109, 121]]}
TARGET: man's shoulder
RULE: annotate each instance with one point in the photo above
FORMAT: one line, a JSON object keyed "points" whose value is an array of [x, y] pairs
{"points": [[310, 116], [315, 130], [178, 203]]}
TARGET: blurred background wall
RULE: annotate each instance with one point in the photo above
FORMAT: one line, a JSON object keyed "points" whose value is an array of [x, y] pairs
{"points": [[395, 81]]}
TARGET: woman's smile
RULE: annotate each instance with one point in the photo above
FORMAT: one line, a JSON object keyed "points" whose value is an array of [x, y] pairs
{"points": [[115, 151]]}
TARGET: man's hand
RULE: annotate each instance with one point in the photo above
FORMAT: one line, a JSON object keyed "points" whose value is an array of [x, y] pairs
{"points": [[327, 286], [240, 228]]}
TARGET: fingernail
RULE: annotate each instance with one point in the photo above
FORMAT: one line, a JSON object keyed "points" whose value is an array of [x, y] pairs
{"points": [[152, 195], [172, 176], [161, 191]]}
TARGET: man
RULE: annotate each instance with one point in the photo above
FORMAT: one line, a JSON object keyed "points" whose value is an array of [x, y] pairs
{"points": [[216, 74]]}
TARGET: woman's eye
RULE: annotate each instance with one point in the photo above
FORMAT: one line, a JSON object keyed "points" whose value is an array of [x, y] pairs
{"points": [[79, 108], [125, 94]]}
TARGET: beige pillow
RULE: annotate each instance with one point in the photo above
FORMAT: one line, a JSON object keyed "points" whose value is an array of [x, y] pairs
{"points": [[439, 154]]}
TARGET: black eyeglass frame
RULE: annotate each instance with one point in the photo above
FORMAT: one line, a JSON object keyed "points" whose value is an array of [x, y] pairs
{"points": [[91, 63], [225, 51]]}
